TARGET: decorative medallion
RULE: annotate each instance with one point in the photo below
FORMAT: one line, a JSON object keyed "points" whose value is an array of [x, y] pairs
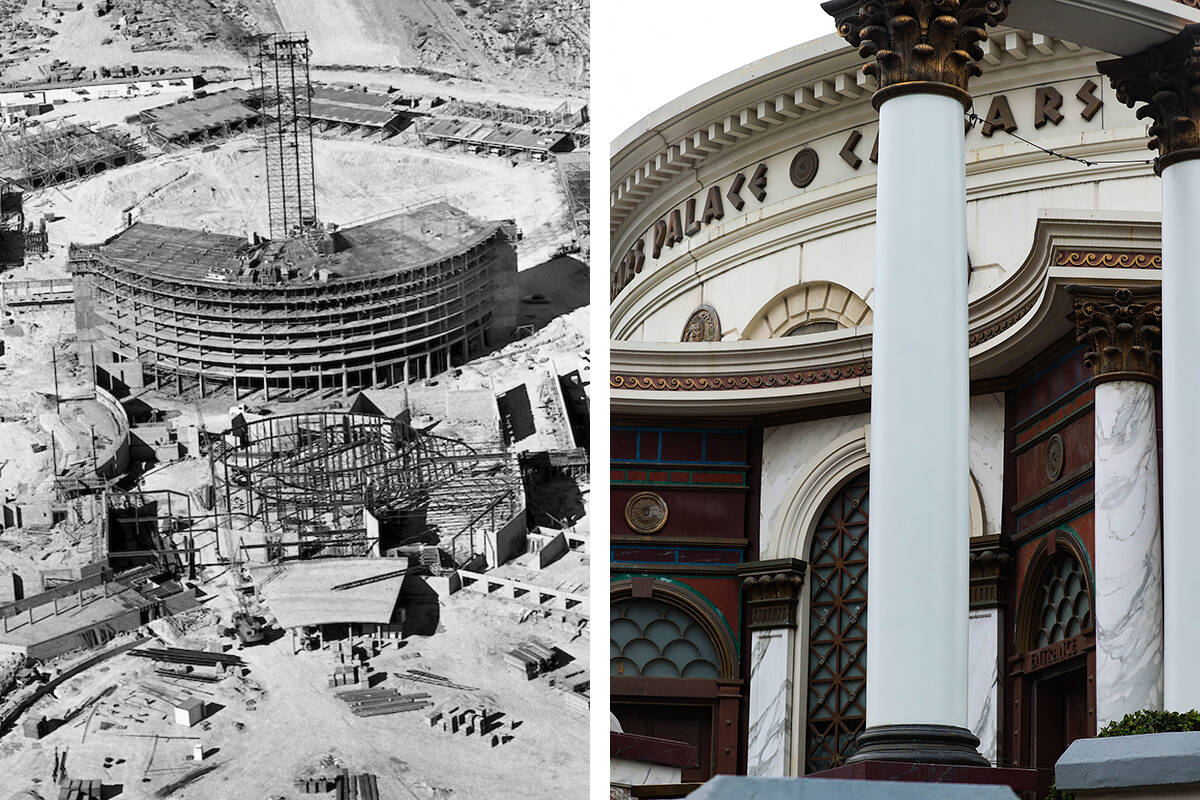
{"points": [[646, 513], [702, 326], [1054, 458], [804, 167]]}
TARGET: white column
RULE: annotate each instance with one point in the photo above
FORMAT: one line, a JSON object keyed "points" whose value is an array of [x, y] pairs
{"points": [[1181, 434], [1129, 634], [920, 519], [770, 741]]}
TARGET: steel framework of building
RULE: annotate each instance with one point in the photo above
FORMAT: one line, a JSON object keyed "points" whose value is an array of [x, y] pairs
{"points": [[560, 119], [308, 478], [283, 81], [64, 153]]}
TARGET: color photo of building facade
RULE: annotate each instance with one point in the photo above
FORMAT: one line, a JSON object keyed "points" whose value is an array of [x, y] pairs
{"points": [[744, 298]]}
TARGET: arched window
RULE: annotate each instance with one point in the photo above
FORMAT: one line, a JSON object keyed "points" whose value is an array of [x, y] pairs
{"points": [[654, 639], [805, 328], [837, 628], [1064, 607]]}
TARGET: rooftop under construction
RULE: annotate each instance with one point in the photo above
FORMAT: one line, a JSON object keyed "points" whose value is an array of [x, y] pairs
{"points": [[64, 153]]}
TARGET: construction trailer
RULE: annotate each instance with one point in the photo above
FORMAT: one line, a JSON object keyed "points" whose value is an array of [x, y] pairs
{"points": [[393, 299], [213, 116], [64, 153]]}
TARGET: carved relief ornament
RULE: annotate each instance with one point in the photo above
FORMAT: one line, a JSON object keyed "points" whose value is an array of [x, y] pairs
{"points": [[918, 45], [702, 326], [1166, 78], [1122, 329]]}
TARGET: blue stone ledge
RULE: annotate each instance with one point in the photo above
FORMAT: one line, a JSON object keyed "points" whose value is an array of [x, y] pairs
{"points": [[730, 787], [1164, 760]]}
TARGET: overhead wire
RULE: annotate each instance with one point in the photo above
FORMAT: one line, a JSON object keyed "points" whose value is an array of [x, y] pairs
{"points": [[974, 119]]}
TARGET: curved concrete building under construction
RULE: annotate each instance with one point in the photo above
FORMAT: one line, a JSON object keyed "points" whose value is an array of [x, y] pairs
{"points": [[386, 301]]}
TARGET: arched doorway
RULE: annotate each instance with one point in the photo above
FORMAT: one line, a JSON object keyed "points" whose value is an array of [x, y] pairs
{"points": [[1056, 645], [837, 628], [672, 662]]}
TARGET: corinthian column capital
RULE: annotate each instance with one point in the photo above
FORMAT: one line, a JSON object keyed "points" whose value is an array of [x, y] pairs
{"points": [[1122, 329], [918, 45], [1166, 78]]}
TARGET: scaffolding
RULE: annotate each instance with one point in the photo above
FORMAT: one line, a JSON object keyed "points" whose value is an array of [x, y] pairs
{"points": [[334, 484], [283, 82], [65, 153]]}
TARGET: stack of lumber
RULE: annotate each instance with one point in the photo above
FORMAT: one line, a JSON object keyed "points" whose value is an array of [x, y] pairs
{"points": [[373, 702]]}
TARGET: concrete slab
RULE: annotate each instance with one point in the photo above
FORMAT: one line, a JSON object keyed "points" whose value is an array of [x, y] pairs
{"points": [[1122, 762], [728, 787]]}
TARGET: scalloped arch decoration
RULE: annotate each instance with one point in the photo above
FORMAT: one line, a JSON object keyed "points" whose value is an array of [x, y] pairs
{"points": [[819, 301]]}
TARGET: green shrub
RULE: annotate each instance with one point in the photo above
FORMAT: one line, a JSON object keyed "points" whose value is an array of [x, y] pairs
{"points": [[1055, 794], [1152, 722]]}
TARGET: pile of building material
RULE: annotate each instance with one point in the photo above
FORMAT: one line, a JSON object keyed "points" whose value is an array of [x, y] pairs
{"points": [[216, 662], [348, 786], [345, 675], [471, 722], [419, 676], [186, 709], [531, 658], [374, 702], [81, 790]]}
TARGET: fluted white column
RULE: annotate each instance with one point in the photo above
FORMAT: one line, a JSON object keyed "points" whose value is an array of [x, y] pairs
{"points": [[1128, 557], [1181, 434]]}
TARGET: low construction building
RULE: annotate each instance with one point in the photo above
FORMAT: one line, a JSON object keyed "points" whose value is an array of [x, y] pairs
{"points": [[494, 138], [89, 612], [213, 116], [65, 153], [334, 109], [397, 298]]}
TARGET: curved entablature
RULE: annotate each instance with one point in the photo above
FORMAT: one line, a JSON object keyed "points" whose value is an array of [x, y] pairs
{"points": [[1007, 327], [804, 309], [795, 195]]}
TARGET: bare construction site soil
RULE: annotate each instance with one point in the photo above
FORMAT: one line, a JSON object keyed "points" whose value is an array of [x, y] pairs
{"points": [[276, 720], [223, 191]]}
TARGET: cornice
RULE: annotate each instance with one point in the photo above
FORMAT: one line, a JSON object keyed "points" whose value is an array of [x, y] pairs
{"points": [[805, 91], [1007, 326], [1002, 169]]}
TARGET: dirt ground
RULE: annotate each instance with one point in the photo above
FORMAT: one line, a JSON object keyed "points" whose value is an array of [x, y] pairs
{"points": [[280, 721], [224, 191], [542, 44]]}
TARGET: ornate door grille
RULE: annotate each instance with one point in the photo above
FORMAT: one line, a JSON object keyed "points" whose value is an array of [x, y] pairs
{"points": [[837, 625]]}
